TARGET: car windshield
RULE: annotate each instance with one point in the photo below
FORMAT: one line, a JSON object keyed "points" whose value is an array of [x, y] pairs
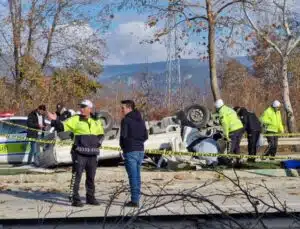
{"points": [[13, 129]]}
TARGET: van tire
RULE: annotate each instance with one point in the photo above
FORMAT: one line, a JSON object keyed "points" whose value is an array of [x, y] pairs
{"points": [[106, 116], [47, 156], [197, 115]]}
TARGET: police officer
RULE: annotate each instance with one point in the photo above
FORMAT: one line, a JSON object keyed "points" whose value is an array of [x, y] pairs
{"points": [[88, 136], [272, 124], [232, 126], [253, 128]]}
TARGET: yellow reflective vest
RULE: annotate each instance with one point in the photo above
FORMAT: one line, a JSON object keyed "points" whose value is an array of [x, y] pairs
{"points": [[88, 133], [81, 126], [271, 120], [229, 120]]}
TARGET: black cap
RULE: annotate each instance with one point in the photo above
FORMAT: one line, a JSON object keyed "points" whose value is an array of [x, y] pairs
{"points": [[42, 107]]}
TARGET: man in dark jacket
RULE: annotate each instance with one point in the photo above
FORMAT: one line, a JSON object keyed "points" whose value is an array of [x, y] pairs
{"points": [[62, 113], [36, 124], [252, 127], [132, 137]]}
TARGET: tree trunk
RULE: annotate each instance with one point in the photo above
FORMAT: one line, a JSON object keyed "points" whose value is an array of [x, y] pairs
{"points": [[31, 26], [51, 33], [16, 29], [212, 51], [291, 121]]}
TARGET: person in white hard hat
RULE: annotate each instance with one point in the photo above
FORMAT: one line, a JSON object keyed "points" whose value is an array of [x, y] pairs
{"points": [[232, 126], [272, 124], [88, 136]]}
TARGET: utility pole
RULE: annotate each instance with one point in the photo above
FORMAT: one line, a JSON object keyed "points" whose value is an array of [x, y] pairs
{"points": [[173, 60]]}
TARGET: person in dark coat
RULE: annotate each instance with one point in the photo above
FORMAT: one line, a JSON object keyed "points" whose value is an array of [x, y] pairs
{"points": [[252, 127], [62, 113], [132, 137], [36, 124]]}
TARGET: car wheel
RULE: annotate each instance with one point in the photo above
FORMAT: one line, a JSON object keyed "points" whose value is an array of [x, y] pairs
{"points": [[197, 115], [107, 120], [46, 158]]}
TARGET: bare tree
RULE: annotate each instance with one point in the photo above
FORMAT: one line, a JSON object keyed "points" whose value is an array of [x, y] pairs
{"points": [[208, 197], [195, 19], [53, 33], [282, 34]]}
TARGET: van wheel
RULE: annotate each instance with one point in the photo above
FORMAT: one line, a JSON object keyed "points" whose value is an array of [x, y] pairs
{"points": [[197, 115], [106, 119], [46, 158]]}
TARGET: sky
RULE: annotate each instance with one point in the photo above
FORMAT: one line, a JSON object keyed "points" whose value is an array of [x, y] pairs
{"points": [[123, 41]]}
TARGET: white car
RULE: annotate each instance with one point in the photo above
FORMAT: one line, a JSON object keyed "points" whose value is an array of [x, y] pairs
{"points": [[15, 150]]}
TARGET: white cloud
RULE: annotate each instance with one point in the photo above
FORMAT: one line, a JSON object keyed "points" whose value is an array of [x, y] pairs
{"points": [[125, 47]]}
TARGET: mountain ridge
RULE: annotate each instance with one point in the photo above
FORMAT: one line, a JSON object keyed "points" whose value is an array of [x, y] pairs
{"points": [[192, 70]]}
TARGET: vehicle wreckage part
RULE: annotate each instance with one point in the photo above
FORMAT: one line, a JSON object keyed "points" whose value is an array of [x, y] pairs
{"points": [[47, 155], [107, 120], [172, 128], [197, 115]]}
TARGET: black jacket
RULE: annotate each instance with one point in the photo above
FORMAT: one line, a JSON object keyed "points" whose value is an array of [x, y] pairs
{"points": [[33, 123], [249, 120], [133, 132], [62, 117]]}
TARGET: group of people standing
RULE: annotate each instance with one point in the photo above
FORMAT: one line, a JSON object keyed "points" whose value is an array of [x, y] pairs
{"points": [[237, 121], [88, 134]]}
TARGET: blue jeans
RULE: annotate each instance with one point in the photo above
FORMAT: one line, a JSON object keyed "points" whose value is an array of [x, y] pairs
{"points": [[133, 162], [34, 151]]}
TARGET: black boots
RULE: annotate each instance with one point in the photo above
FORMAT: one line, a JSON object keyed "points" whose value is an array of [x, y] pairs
{"points": [[92, 201], [89, 200], [131, 204], [77, 204]]}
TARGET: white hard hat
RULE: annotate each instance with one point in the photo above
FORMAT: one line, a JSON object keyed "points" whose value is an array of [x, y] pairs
{"points": [[219, 103], [276, 104], [87, 103]]}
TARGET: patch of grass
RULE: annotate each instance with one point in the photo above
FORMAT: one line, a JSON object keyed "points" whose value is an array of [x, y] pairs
{"points": [[262, 165], [243, 166], [10, 171]]}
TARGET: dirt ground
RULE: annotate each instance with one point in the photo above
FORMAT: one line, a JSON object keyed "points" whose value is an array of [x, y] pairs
{"points": [[23, 193]]}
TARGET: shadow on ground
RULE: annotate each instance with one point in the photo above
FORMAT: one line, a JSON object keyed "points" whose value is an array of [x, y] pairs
{"points": [[51, 197]]}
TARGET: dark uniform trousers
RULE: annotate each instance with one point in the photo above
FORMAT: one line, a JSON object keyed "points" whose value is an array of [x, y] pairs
{"points": [[272, 145], [236, 137], [81, 163], [252, 143]]}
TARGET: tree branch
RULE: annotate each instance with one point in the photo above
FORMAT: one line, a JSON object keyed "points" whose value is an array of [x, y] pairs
{"points": [[227, 5], [51, 33], [285, 23], [291, 48], [260, 33], [31, 25]]}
